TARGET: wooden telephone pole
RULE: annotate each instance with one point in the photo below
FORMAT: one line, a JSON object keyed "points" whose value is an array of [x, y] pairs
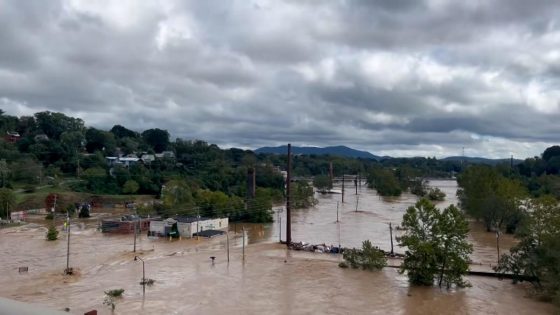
{"points": [[288, 196]]}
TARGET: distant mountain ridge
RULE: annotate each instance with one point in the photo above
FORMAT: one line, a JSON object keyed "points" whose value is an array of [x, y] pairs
{"points": [[345, 151], [480, 160], [340, 150]]}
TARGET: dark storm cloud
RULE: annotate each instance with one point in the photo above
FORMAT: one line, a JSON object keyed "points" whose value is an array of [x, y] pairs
{"points": [[392, 77]]}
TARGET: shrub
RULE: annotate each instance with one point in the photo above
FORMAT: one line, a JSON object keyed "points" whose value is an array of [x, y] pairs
{"points": [[110, 297], [52, 233]]}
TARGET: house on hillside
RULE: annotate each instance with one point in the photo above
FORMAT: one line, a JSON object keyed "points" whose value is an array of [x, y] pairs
{"points": [[12, 137], [165, 155], [147, 158], [125, 161]]}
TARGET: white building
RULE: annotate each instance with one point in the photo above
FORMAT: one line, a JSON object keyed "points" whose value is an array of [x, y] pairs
{"points": [[186, 226]]}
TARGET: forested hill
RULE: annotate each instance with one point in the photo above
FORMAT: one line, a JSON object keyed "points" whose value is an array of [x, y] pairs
{"points": [[342, 151]]}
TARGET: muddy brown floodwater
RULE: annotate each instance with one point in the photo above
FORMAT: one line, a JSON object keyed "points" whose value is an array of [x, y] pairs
{"points": [[271, 280]]}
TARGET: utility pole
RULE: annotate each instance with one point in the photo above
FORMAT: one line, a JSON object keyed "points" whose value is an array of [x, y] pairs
{"points": [[197, 219], [391, 234], [342, 188], [338, 230], [227, 244], [331, 173], [280, 226], [135, 228], [135, 232], [243, 243], [498, 243], [337, 211], [511, 165], [288, 196], [68, 271], [54, 210]]}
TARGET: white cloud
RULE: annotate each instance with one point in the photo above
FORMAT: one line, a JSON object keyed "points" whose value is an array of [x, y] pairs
{"points": [[393, 77]]}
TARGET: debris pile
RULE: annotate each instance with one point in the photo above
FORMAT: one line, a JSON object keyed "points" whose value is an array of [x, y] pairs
{"points": [[321, 248]]}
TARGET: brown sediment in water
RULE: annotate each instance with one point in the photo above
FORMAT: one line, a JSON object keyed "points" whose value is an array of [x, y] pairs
{"points": [[272, 280]]}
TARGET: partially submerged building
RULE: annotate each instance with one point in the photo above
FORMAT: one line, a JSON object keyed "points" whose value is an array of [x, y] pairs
{"points": [[125, 224], [185, 226]]}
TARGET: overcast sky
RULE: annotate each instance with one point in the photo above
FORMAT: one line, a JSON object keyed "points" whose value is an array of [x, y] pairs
{"points": [[394, 77]]}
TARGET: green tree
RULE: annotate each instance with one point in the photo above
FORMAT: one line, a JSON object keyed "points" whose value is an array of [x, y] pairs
{"points": [[177, 194], [486, 194], [535, 257], [99, 140], [322, 182], [453, 248], [302, 195], [54, 124], [551, 152], [7, 201], [368, 257], [384, 181], [122, 132], [52, 233], [435, 194], [158, 139], [130, 187], [436, 244], [418, 187]]}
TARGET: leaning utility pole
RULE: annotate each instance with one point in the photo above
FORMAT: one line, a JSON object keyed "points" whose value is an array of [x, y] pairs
{"points": [[288, 196], [391, 235]]}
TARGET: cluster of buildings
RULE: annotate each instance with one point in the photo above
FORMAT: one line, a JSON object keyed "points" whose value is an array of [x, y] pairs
{"points": [[178, 226], [133, 159]]}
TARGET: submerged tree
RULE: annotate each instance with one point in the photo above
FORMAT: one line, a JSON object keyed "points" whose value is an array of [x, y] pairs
{"points": [[536, 257], [437, 245], [52, 233], [368, 257], [435, 194], [323, 183]]}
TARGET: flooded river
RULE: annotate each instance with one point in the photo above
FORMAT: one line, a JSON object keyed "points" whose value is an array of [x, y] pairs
{"points": [[271, 280]]}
